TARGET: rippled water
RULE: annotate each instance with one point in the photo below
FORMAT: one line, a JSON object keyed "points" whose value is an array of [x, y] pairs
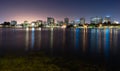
{"points": [[93, 45]]}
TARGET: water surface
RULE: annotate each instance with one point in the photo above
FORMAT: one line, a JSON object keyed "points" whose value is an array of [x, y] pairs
{"points": [[99, 46]]}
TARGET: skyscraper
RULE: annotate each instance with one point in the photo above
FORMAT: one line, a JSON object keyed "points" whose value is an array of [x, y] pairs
{"points": [[82, 20], [50, 21], [66, 20]]}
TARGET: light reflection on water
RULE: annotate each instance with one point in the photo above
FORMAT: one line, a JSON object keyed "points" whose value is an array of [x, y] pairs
{"points": [[33, 38], [27, 40], [84, 43]]}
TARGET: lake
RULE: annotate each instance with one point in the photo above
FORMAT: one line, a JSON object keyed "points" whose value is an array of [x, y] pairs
{"points": [[98, 46]]}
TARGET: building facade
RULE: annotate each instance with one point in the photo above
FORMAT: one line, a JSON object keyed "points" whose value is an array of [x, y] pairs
{"points": [[96, 20], [13, 22], [50, 21], [66, 20], [107, 19], [82, 20]]}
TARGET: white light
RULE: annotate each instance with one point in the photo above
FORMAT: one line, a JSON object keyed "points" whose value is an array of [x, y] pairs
{"points": [[52, 29], [75, 25], [27, 29], [116, 22], [40, 29], [33, 24], [107, 16], [33, 29]]}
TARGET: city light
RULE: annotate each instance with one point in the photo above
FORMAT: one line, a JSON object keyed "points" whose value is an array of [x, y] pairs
{"points": [[33, 29], [116, 22], [85, 26], [40, 29], [33, 24], [64, 26], [27, 29]]}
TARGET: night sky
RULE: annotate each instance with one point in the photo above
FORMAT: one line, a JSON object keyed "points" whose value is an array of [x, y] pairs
{"points": [[30, 10]]}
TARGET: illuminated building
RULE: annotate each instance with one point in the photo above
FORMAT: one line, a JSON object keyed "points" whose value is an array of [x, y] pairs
{"points": [[33, 24], [96, 20], [60, 22], [107, 19], [82, 20], [72, 22], [13, 22], [116, 22], [39, 22], [66, 20], [77, 21], [45, 22], [25, 24], [50, 21]]}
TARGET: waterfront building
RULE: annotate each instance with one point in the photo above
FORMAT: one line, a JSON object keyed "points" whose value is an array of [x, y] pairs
{"points": [[115, 22], [72, 22], [96, 20], [45, 23], [60, 23], [77, 22], [25, 24], [82, 20], [50, 21], [13, 22], [39, 22], [33, 24], [107, 19], [66, 20]]}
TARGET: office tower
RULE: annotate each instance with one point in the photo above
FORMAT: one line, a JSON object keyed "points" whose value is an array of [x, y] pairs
{"points": [[66, 20], [96, 20], [107, 19], [50, 21], [82, 20]]}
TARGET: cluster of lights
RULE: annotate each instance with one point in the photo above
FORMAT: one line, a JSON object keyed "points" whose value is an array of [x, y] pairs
{"points": [[64, 26]]}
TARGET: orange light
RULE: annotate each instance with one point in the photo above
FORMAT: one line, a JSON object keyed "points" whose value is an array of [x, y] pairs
{"points": [[64, 26]]}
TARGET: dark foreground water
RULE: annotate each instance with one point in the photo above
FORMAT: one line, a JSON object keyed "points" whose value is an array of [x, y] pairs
{"points": [[97, 46]]}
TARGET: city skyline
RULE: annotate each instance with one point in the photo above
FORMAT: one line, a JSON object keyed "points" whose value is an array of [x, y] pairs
{"points": [[31, 10], [82, 20]]}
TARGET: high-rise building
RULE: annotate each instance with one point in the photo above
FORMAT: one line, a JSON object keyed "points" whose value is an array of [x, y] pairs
{"points": [[50, 20], [96, 20], [82, 20], [66, 20], [13, 22], [107, 19]]}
